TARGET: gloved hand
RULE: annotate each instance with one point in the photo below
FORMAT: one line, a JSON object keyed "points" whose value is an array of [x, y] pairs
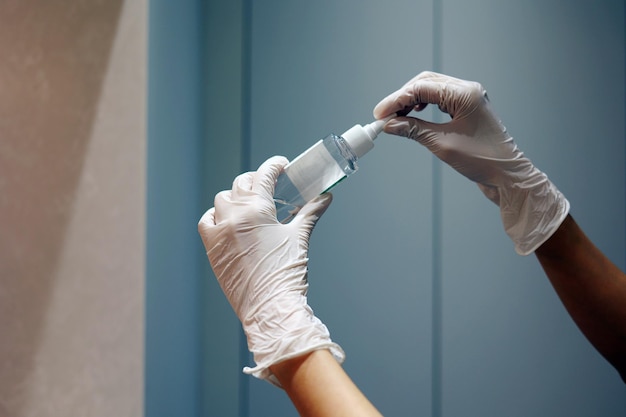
{"points": [[261, 266], [477, 145]]}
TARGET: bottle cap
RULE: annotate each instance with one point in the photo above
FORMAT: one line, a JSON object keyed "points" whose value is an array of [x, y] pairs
{"points": [[361, 138]]}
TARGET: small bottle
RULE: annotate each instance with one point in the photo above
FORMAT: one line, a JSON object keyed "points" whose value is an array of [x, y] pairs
{"points": [[321, 167]]}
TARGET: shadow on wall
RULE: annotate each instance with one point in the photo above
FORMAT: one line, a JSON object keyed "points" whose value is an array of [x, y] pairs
{"points": [[54, 57]]}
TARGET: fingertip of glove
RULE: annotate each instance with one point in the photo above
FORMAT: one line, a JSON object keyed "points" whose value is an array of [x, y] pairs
{"points": [[382, 110], [401, 126], [326, 197], [316, 207], [273, 165], [377, 112], [278, 160], [207, 219], [267, 174], [323, 201]]}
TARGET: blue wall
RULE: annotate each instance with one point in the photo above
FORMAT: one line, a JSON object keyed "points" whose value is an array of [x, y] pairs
{"points": [[175, 258], [555, 75], [410, 268]]}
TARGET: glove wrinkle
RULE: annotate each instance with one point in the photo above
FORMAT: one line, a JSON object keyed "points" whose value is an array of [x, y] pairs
{"points": [[261, 266], [476, 143]]}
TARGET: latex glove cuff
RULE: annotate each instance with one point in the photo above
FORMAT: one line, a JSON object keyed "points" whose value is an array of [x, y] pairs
{"points": [[531, 210], [286, 329]]}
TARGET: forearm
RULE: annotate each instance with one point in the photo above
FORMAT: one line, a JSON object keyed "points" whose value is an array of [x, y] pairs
{"points": [[318, 387], [591, 287]]}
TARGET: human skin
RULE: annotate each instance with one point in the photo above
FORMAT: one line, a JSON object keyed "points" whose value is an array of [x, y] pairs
{"points": [[591, 287], [318, 387]]}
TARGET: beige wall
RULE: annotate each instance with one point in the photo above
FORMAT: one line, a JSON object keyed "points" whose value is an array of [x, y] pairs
{"points": [[72, 210]]}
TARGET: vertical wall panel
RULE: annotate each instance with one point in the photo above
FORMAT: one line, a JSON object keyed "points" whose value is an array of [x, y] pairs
{"points": [[175, 256], [508, 347], [555, 74], [320, 67], [224, 385]]}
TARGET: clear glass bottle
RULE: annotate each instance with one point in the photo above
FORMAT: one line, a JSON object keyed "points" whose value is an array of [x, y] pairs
{"points": [[321, 167]]}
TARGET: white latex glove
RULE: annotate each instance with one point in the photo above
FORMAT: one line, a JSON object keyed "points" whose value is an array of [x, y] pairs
{"points": [[477, 145], [261, 266]]}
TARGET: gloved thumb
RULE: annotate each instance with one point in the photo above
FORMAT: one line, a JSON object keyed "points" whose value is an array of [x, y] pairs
{"points": [[419, 130], [311, 212]]}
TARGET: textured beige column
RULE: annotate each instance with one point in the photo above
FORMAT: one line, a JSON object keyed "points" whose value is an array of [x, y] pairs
{"points": [[72, 210]]}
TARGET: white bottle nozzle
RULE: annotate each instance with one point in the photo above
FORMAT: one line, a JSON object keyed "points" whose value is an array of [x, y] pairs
{"points": [[376, 127], [361, 138]]}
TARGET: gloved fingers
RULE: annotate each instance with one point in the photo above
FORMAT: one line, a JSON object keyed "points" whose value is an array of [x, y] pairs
{"points": [[432, 76], [403, 126], [381, 111], [413, 95], [265, 177], [419, 107], [242, 185], [207, 220], [426, 133], [221, 203], [452, 95], [311, 212], [206, 226]]}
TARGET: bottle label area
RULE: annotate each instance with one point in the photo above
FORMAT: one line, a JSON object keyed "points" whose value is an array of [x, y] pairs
{"points": [[312, 173]]}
